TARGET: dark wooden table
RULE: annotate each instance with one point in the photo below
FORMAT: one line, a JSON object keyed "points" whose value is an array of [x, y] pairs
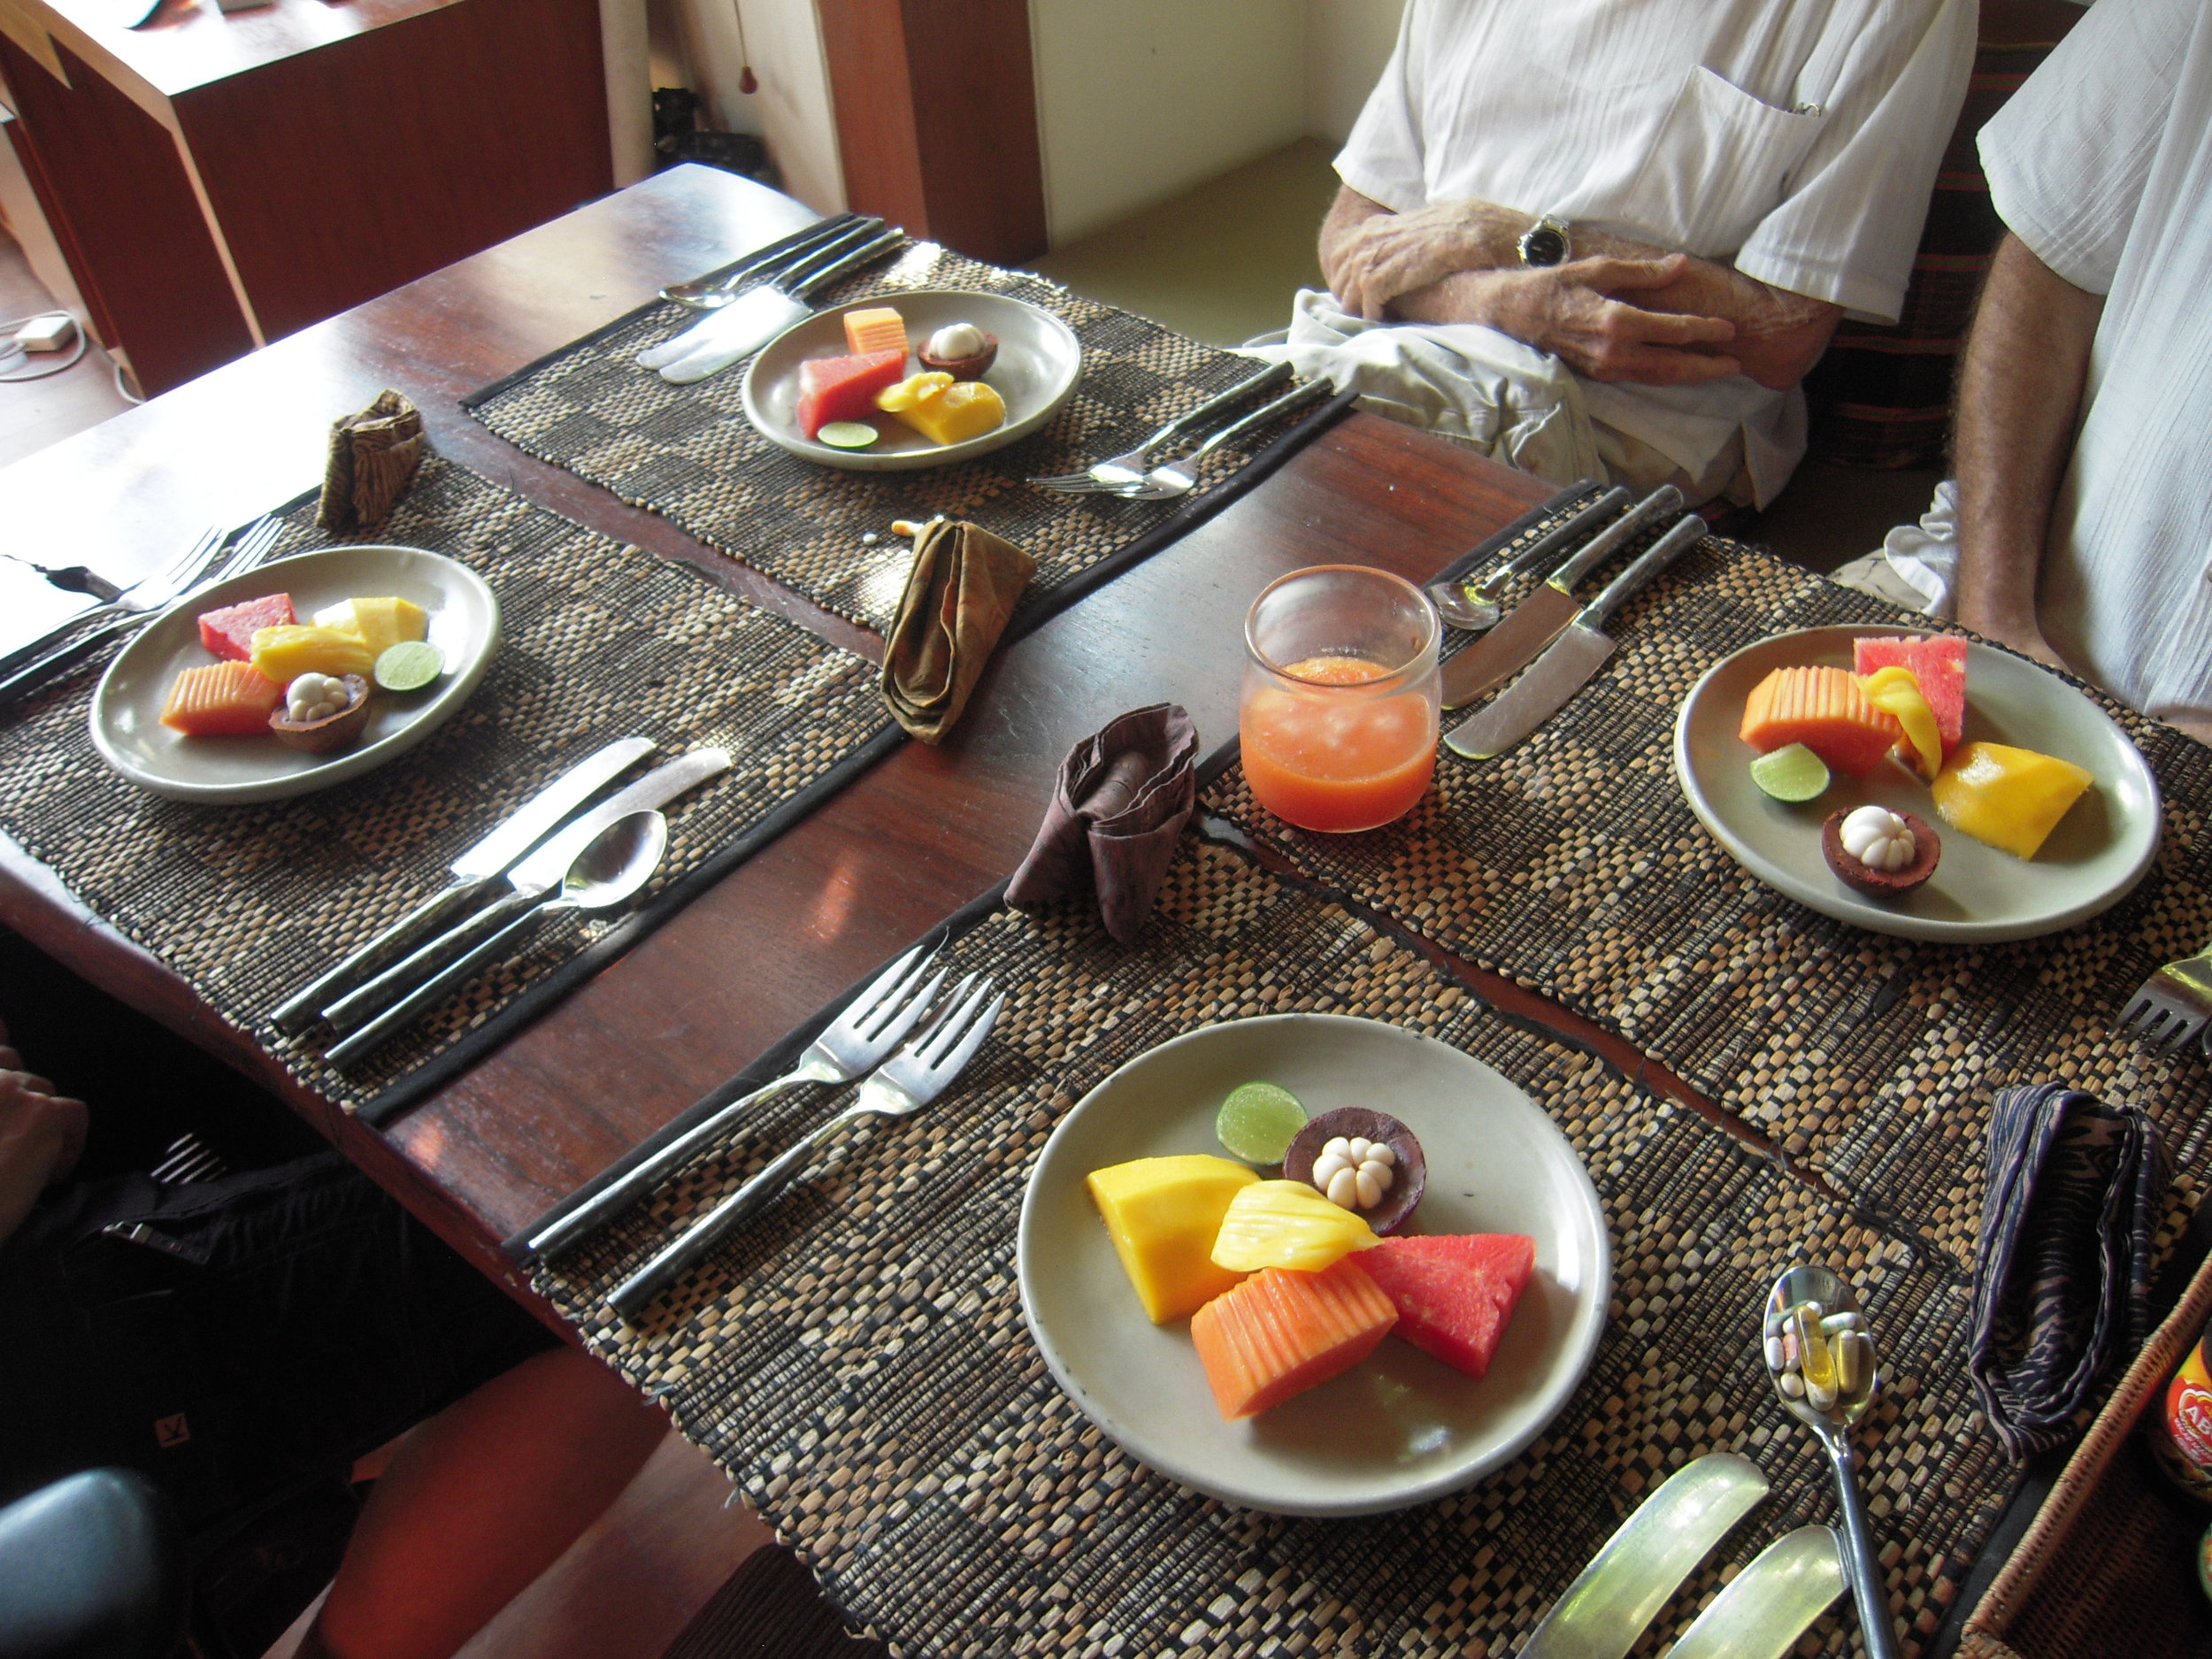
{"points": [[911, 841]]}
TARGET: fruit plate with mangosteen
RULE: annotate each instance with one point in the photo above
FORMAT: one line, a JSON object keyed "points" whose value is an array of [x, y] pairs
{"points": [[1393, 1426], [2036, 809], [815, 382], [221, 748]]}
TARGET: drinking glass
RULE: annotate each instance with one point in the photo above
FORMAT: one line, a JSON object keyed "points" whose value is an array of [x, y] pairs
{"points": [[1338, 714]]}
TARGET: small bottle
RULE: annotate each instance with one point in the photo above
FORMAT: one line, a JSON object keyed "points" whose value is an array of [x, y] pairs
{"points": [[2181, 1436]]}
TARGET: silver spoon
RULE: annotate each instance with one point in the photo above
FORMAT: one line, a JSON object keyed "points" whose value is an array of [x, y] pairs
{"points": [[1470, 602], [614, 864], [1820, 1356]]}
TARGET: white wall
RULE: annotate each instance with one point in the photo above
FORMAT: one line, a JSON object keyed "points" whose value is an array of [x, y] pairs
{"points": [[791, 111], [1347, 41], [1139, 100]]}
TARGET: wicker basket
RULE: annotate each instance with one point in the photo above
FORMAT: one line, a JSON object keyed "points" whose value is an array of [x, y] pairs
{"points": [[2109, 1566]]}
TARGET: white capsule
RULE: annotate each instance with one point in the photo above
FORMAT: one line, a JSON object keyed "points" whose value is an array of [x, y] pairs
{"points": [[1820, 1398], [1325, 1168], [1836, 1322], [1344, 1189], [1789, 1349], [1370, 1191], [1813, 1310], [1774, 1353], [1792, 1385]]}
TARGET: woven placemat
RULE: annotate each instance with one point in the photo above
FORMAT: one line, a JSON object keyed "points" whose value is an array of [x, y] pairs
{"points": [[858, 1363], [1573, 865], [688, 452], [599, 641]]}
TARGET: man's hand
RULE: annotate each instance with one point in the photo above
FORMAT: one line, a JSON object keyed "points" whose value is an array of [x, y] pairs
{"points": [[1574, 312], [42, 1136], [2020, 382], [1373, 257]]}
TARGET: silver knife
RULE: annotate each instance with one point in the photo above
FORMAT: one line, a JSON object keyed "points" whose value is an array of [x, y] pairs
{"points": [[1536, 621], [1604, 1610], [1760, 1612], [474, 870], [530, 880], [1574, 656]]}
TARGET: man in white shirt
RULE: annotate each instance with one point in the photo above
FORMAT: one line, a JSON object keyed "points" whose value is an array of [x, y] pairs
{"points": [[2082, 436], [1590, 233]]}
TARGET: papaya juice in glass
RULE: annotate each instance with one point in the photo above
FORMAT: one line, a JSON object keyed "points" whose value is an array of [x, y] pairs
{"points": [[1338, 721]]}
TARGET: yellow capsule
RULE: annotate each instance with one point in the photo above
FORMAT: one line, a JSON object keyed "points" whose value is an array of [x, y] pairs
{"points": [[1814, 1357]]}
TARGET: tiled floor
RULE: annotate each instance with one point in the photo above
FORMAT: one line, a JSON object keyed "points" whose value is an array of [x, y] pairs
{"points": [[36, 413], [1221, 264]]}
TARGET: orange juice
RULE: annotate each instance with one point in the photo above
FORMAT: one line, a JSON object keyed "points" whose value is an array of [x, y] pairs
{"points": [[1326, 758]]}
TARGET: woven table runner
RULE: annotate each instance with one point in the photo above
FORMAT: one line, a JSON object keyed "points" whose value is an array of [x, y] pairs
{"points": [[1573, 865], [599, 640], [689, 453], [858, 1363]]}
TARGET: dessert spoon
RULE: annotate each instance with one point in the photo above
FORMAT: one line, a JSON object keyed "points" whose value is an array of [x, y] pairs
{"points": [[1821, 1358]]}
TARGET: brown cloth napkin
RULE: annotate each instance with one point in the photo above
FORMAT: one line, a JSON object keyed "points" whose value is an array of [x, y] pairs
{"points": [[959, 597], [1123, 797], [373, 456]]}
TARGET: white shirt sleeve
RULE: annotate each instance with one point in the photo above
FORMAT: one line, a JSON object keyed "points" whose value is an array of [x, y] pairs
{"points": [[1384, 159], [2067, 156], [1850, 223]]}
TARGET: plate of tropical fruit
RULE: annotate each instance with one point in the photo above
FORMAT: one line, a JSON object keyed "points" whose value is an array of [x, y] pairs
{"points": [[1917, 783], [911, 379], [1314, 1264], [296, 675]]}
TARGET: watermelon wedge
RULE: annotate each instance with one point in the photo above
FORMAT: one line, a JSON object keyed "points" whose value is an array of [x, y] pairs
{"points": [[1454, 1294], [229, 631], [1282, 1331], [844, 388], [1938, 661]]}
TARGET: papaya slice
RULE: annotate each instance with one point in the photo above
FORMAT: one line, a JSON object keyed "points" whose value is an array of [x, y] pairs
{"points": [[1825, 710]]}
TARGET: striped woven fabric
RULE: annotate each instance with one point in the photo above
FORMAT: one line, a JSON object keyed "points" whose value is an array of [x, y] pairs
{"points": [[1882, 395]]}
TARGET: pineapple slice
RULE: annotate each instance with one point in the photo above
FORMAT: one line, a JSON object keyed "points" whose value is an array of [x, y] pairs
{"points": [[283, 653], [381, 623], [1287, 1224]]}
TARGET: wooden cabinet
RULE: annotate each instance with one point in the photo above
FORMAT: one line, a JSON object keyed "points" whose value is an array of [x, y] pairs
{"points": [[220, 180]]}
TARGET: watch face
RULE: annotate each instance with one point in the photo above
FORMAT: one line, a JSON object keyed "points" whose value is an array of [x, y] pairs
{"points": [[1543, 244]]}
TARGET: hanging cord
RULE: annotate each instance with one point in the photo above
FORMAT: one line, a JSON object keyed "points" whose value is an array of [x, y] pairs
{"points": [[747, 80], [10, 354]]}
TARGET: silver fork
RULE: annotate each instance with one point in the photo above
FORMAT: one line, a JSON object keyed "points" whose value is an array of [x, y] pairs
{"points": [[908, 1081], [1180, 477], [251, 547], [2171, 1006], [1119, 472], [873, 1024], [170, 579]]}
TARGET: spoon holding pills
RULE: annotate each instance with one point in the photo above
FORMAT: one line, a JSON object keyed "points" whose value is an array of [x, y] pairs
{"points": [[1820, 1356]]}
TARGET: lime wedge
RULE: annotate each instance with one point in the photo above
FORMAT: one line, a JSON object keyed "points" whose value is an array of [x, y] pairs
{"points": [[1258, 1121], [408, 665], [847, 434], [1791, 773]]}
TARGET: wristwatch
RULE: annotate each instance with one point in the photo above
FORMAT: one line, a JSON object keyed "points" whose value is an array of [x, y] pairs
{"points": [[1544, 242]]}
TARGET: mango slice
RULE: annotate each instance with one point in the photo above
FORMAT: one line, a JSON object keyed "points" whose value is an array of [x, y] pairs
{"points": [[1896, 691], [1162, 1214], [2011, 798], [381, 623], [964, 409], [1287, 1224], [283, 653]]}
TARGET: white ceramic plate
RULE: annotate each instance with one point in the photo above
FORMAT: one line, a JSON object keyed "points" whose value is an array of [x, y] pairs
{"points": [[127, 728], [1400, 1427], [1977, 894], [1039, 360]]}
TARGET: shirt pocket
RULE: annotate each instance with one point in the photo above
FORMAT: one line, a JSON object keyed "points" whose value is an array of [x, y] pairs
{"points": [[1718, 164]]}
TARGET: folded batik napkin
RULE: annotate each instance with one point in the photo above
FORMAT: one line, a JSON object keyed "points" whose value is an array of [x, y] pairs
{"points": [[959, 597], [2062, 1273], [374, 457], [1123, 797]]}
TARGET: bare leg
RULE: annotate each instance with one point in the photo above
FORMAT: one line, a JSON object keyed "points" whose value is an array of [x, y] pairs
{"points": [[477, 1502]]}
